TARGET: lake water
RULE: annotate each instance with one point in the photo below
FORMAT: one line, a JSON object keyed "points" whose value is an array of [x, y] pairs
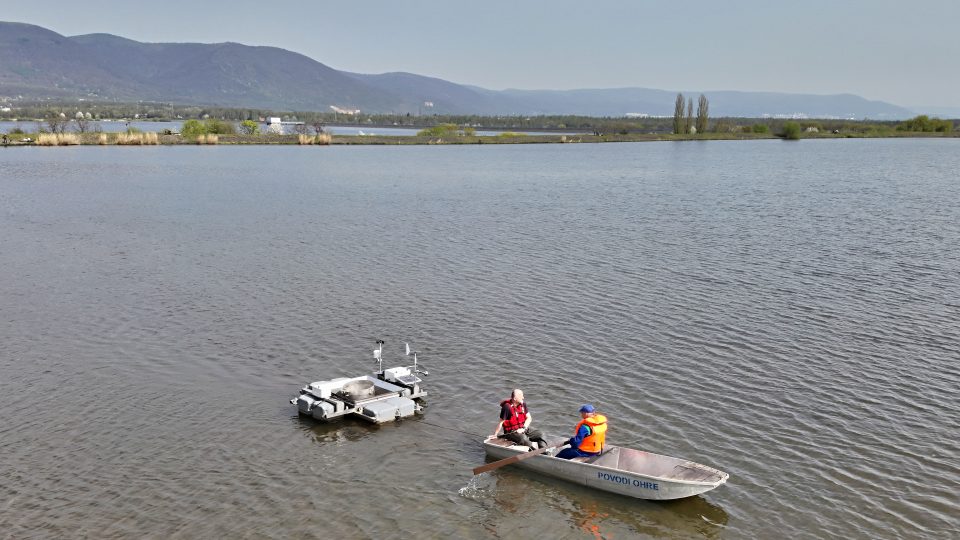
{"points": [[786, 312]]}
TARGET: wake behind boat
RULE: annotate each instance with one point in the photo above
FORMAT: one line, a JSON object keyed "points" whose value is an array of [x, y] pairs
{"points": [[634, 473]]}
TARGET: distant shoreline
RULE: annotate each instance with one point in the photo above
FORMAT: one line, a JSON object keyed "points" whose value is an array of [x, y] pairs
{"points": [[96, 139]]}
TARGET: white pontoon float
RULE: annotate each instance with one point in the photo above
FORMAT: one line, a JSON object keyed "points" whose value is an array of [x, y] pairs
{"points": [[386, 395], [633, 473]]}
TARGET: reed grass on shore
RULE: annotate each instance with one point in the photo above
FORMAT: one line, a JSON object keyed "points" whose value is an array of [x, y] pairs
{"points": [[209, 138], [137, 139], [321, 139], [57, 139]]}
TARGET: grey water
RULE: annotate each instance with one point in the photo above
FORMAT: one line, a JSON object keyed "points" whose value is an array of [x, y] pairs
{"points": [[787, 312]]}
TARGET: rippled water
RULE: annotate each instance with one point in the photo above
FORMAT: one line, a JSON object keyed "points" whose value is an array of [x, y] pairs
{"points": [[786, 312]]}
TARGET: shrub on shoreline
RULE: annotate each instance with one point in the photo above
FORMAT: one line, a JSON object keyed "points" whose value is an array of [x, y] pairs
{"points": [[791, 131], [249, 127], [925, 124], [192, 128], [219, 127], [196, 128]]}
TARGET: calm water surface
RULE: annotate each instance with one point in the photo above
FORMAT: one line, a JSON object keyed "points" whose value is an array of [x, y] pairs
{"points": [[786, 312]]}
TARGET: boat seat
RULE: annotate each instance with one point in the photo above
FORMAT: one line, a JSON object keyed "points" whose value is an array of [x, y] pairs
{"points": [[499, 442], [506, 443]]}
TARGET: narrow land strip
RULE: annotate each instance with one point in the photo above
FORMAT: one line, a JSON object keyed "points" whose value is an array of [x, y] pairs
{"points": [[149, 139]]}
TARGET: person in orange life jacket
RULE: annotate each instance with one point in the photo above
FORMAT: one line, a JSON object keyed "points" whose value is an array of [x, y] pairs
{"points": [[589, 435], [515, 419]]}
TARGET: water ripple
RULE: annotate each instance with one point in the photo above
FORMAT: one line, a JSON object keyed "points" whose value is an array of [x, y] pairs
{"points": [[786, 313]]}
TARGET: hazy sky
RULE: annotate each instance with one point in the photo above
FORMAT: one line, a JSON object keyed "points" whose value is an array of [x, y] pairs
{"points": [[905, 52]]}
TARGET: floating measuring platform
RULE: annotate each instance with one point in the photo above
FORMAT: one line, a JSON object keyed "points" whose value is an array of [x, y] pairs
{"points": [[384, 396]]}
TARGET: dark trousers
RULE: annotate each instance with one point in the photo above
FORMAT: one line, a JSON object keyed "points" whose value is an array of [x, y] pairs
{"points": [[525, 438], [570, 453]]}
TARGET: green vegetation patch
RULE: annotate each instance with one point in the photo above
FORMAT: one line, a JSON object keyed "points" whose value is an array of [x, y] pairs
{"points": [[195, 128], [925, 124], [791, 131], [447, 130]]}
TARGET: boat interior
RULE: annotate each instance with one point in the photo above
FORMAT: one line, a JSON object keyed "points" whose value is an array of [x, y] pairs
{"points": [[647, 464], [640, 462]]}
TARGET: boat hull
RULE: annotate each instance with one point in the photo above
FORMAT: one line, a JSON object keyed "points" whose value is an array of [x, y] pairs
{"points": [[611, 479]]}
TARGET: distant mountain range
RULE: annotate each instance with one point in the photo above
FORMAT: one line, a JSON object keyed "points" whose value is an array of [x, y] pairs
{"points": [[37, 63]]}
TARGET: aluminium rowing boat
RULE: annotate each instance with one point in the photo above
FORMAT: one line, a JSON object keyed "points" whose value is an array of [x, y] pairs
{"points": [[624, 471]]}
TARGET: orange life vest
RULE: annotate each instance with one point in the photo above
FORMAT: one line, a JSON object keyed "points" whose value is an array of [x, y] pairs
{"points": [[593, 443], [518, 416]]}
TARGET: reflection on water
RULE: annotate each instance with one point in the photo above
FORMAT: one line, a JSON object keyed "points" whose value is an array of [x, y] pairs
{"points": [[344, 430], [518, 493]]}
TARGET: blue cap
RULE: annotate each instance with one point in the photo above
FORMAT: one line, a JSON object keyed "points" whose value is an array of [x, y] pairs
{"points": [[587, 408]]}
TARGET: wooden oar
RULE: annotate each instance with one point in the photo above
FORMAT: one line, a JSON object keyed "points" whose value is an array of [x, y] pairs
{"points": [[511, 459]]}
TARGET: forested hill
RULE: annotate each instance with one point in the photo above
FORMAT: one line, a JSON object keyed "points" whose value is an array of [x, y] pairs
{"points": [[38, 63]]}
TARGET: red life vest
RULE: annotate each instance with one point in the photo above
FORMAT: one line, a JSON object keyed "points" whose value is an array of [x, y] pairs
{"points": [[518, 415]]}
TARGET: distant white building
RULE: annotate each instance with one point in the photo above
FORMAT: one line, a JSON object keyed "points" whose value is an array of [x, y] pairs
{"points": [[344, 111], [275, 125]]}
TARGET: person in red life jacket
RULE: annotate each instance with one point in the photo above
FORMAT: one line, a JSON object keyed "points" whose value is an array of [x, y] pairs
{"points": [[589, 435], [515, 419]]}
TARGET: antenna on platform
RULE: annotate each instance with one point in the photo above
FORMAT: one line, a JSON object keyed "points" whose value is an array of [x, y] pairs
{"points": [[415, 370], [378, 355]]}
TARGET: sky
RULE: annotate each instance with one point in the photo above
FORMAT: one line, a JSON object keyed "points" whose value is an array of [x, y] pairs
{"points": [[906, 53]]}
